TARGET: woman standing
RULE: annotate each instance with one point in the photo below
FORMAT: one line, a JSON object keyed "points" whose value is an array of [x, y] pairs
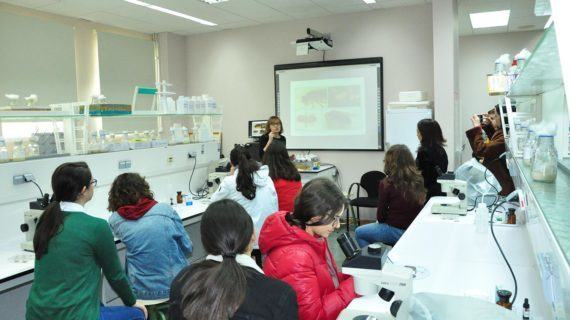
{"points": [[71, 249], [228, 284], [401, 197], [297, 252], [273, 134], [432, 158]]}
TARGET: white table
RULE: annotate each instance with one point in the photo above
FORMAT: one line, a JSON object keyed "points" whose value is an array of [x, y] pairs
{"points": [[325, 171], [455, 260]]}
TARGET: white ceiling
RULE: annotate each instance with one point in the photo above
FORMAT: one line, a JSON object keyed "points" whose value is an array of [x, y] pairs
{"points": [[241, 13]]}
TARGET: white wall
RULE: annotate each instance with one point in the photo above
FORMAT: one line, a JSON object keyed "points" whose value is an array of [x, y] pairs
{"points": [[236, 67], [477, 55], [172, 57]]}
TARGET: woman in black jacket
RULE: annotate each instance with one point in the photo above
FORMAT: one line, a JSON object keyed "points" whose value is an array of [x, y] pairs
{"points": [[431, 158], [273, 134], [229, 284]]}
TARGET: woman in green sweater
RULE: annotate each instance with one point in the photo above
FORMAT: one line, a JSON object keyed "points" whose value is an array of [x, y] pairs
{"points": [[71, 249]]}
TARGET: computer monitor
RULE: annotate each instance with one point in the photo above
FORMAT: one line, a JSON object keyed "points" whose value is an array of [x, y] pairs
{"points": [[256, 128]]}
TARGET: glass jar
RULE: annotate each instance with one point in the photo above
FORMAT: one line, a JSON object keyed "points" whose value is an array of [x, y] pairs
{"points": [[545, 165], [3, 151], [529, 148], [18, 152]]}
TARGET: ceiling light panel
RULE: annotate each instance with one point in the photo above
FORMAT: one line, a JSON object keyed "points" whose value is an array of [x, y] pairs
{"points": [[490, 19], [171, 12]]}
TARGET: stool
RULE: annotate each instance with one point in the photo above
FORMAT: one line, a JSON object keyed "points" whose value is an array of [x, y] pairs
{"points": [[157, 309]]}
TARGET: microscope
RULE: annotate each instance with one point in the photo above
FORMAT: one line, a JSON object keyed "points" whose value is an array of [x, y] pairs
{"points": [[216, 173], [453, 188], [383, 286], [31, 218]]}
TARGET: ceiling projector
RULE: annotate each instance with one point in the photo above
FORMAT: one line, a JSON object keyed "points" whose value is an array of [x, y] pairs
{"points": [[316, 41]]}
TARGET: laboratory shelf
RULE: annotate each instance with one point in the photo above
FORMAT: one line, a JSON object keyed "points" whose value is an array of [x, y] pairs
{"points": [[42, 115], [542, 71], [552, 199]]}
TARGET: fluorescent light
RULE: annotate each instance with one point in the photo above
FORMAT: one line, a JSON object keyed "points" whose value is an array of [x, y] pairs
{"points": [[548, 23], [213, 1], [369, 1], [172, 12], [490, 19]]}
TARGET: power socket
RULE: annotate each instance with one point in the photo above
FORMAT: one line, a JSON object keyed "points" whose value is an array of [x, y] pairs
{"points": [[192, 154]]}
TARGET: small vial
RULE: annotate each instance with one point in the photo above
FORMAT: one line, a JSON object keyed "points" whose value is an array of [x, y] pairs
{"points": [[526, 310]]}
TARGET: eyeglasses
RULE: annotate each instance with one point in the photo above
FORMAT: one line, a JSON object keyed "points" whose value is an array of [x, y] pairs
{"points": [[94, 182]]}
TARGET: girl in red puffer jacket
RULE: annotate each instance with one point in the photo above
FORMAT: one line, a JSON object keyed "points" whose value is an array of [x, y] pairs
{"points": [[297, 252]]}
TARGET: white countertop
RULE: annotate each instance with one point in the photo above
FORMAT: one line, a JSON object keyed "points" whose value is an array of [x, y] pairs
{"points": [[15, 262], [453, 259], [322, 168]]}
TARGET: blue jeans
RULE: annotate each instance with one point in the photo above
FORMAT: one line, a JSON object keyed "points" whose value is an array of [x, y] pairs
{"points": [[121, 313], [377, 232]]}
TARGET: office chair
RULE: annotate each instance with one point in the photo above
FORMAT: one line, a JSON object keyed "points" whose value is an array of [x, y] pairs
{"points": [[369, 182]]}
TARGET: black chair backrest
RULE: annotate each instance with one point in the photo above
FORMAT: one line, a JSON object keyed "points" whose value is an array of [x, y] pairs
{"points": [[370, 182]]}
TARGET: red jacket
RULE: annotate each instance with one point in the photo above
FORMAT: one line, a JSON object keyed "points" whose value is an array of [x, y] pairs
{"points": [[287, 191], [300, 259]]}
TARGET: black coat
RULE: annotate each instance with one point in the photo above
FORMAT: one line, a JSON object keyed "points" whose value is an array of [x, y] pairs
{"points": [[427, 159], [263, 141], [266, 298]]}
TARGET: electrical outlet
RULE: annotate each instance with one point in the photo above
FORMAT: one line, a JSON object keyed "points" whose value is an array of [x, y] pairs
{"points": [[202, 148], [170, 159], [28, 177], [18, 179], [124, 164], [192, 154]]}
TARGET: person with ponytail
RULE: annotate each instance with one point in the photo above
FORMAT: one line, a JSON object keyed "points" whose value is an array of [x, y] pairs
{"points": [[156, 241], [295, 245], [71, 249], [250, 186], [228, 284], [284, 174], [401, 198]]}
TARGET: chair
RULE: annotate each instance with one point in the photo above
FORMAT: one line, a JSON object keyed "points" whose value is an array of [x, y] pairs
{"points": [[157, 309], [369, 182]]}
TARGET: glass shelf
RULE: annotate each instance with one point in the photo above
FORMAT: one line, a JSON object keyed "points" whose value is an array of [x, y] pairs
{"points": [[30, 115], [542, 71], [552, 199]]}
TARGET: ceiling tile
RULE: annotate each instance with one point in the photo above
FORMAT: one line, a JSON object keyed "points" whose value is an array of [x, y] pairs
{"points": [[491, 30], [77, 8], [525, 23], [522, 8], [398, 3], [122, 22], [30, 3], [248, 8]]}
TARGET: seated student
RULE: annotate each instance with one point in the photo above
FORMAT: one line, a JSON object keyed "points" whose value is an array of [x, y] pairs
{"points": [[431, 156], [156, 241], [250, 186], [228, 284], [297, 252], [284, 174], [273, 135], [71, 249], [401, 197], [490, 152]]}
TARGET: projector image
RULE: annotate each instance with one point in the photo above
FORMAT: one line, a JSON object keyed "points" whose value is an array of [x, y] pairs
{"points": [[316, 41]]}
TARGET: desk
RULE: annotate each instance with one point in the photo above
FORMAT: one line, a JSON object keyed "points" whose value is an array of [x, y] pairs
{"points": [[16, 277], [453, 259], [325, 171]]}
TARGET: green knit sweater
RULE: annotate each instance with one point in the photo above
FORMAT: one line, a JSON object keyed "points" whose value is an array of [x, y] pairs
{"points": [[67, 279]]}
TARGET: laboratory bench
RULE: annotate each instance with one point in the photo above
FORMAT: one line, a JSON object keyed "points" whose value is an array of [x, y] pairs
{"points": [[17, 266], [451, 258]]}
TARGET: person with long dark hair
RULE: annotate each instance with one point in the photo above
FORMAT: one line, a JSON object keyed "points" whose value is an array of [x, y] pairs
{"points": [[401, 198], [250, 186], [295, 244], [273, 135], [228, 284], [489, 152], [431, 159], [156, 241], [71, 249], [284, 174]]}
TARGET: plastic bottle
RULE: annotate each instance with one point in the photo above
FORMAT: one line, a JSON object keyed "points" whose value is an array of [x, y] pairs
{"points": [[481, 218], [3, 151], [545, 164]]}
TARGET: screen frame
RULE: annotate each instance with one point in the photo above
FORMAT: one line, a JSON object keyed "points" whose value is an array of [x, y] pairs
{"points": [[335, 63], [250, 125]]}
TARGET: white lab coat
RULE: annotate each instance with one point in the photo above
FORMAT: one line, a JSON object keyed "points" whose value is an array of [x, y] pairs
{"points": [[263, 205]]}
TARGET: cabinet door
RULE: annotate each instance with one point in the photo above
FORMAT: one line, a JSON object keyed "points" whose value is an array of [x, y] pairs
{"points": [[109, 297], [198, 251], [13, 302]]}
